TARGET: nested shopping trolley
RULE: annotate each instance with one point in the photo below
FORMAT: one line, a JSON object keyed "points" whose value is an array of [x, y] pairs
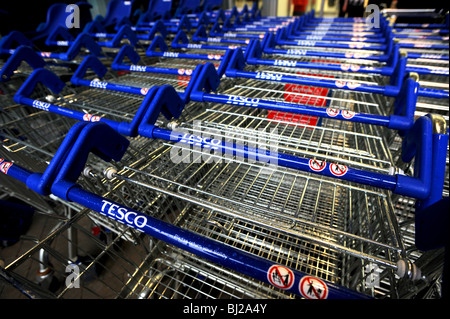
{"points": [[260, 205], [279, 266]]}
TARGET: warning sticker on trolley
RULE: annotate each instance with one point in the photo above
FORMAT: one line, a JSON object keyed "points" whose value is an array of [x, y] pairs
{"points": [[313, 288], [338, 169], [183, 80], [317, 165], [293, 119], [281, 277], [346, 114], [144, 91], [332, 112], [351, 85], [306, 95], [5, 166], [91, 118]]}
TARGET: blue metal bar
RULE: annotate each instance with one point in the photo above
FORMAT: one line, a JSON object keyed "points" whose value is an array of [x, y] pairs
{"points": [[178, 55], [284, 160], [386, 90], [311, 43], [434, 93], [79, 116], [298, 109], [111, 86], [214, 251], [338, 38], [413, 55], [147, 69], [306, 52], [321, 66]]}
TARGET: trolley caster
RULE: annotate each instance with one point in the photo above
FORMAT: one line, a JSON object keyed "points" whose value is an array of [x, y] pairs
{"points": [[47, 280], [408, 270]]}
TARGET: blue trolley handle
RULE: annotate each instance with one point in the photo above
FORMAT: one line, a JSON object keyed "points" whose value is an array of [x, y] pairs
{"points": [[181, 41], [237, 63], [71, 157], [82, 40], [93, 63], [158, 48], [165, 102], [21, 54], [254, 57]]}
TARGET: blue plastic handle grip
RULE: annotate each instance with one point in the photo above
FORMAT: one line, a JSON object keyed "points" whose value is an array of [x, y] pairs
{"points": [[283, 160], [224, 255]]}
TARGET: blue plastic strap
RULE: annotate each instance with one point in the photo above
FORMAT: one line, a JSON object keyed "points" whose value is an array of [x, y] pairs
{"points": [[83, 40], [180, 37], [23, 53], [13, 40], [90, 62], [70, 158], [126, 51], [44, 76], [55, 37], [124, 32], [94, 27], [158, 29], [417, 145], [167, 102], [157, 43]]}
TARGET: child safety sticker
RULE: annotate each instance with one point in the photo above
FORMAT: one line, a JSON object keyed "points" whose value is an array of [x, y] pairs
{"points": [[317, 165], [338, 170], [313, 288], [280, 276]]}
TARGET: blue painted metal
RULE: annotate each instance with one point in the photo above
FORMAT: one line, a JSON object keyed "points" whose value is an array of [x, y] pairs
{"points": [[60, 179], [237, 64], [21, 54]]}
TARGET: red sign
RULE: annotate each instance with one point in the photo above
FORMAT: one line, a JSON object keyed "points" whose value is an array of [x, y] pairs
{"points": [[313, 288], [280, 276]]}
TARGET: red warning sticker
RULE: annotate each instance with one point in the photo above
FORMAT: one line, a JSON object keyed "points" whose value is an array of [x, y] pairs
{"points": [[4, 167], [183, 80], [317, 165], [338, 170], [144, 91], [305, 95], [313, 288], [333, 112], [346, 114], [292, 119], [280, 276]]}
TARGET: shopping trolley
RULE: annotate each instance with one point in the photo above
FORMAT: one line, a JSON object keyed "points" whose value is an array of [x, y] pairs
{"points": [[231, 215], [192, 243], [128, 60], [66, 60]]}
